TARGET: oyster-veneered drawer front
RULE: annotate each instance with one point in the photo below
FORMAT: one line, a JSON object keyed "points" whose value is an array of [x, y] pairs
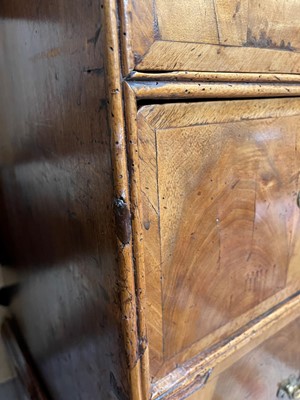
{"points": [[221, 219], [212, 35]]}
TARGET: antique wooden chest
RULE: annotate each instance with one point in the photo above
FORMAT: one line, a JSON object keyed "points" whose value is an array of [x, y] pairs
{"points": [[150, 204]]}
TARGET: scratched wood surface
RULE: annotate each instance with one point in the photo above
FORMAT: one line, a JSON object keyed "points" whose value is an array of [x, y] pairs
{"points": [[219, 184], [211, 35], [258, 374], [216, 222], [56, 196]]}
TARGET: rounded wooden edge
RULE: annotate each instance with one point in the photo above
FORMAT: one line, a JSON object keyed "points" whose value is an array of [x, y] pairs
{"points": [[164, 90], [193, 76], [212, 362], [126, 286], [137, 220]]}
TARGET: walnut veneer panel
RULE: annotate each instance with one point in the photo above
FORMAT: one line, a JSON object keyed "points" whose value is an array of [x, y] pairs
{"points": [[257, 375], [221, 221], [212, 35]]}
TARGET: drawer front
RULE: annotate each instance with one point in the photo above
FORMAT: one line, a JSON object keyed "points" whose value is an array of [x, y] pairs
{"points": [[262, 373], [212, 35], [220, 205]]}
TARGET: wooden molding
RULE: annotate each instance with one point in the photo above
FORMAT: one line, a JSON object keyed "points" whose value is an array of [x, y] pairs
{"points": [[225, 354], [123, 101], [122, 201], [191, 76], [210, 90], [191, 375], [137, 221]]}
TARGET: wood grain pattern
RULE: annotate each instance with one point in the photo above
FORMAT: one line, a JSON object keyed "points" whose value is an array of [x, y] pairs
{"points": [[211, 35], [217, 260], [127, 286], [278, 29], [200, 14], [57, 194], [185, 377], [211, 90], [150, 244], [257, 375], [191, 76], [150, 212], [137, 229], [145, 26]]}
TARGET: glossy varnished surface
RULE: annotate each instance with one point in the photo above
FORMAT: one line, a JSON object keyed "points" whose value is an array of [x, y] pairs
{"points": [[257, 375], [221, 221], [56, 191], [211, 35]]}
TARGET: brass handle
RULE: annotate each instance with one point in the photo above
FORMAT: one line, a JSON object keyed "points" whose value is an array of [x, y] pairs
{"points": [[289, 388]]}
